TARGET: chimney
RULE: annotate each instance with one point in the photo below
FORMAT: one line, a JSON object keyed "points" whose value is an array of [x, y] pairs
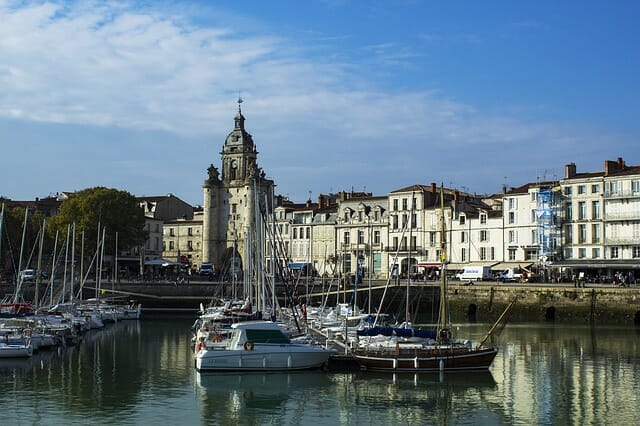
{"points": [[433, 187], [614, 166], [569, 170]]}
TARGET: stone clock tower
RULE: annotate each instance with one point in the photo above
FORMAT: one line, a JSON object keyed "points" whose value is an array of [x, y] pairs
{"points": [[231, 200]]}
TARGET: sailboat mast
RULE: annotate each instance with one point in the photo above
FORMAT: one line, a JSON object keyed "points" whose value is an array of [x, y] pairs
{"points": [[66, 264], [409, 225], [104, 231], [72, 284], [24, 233], [443, 269], [53, 268], [36, 299], [1, 220]]}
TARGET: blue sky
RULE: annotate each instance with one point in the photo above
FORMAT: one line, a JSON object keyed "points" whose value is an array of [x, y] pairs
{"points": [[338, 94]]}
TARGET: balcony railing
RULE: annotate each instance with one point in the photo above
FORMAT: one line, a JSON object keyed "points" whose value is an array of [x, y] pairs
{"points": [[404, 249], [626, 193], [360, 247], [630, 215], [622, 241]]}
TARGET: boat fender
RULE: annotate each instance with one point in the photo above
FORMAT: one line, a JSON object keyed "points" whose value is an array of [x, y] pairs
{"points": [[248, 345]]}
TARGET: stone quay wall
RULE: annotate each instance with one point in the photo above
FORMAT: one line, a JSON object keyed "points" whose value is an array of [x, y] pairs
{"points": [[611, 305], [483, 302]]}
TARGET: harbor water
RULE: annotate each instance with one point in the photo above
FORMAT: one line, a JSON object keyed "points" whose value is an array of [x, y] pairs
{"points": [[141, 372]]}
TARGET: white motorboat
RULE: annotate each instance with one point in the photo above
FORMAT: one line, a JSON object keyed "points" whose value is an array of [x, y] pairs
{"points": [[259, 346], [18, 346]]}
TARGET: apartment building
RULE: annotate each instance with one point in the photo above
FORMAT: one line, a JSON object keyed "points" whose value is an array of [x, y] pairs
{"points": [[182, 241], [601, 220], [361, 237]]}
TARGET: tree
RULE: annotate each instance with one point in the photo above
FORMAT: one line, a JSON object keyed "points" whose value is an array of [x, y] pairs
{"points": [[111, 209], [12, 231]]}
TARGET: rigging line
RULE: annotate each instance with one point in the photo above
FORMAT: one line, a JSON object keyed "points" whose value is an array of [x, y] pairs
{"points": [[282, 272], [10, 249], [395, 263]]}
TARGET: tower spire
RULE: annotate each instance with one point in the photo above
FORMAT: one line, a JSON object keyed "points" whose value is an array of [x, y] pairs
{"points": [[239, 119]]}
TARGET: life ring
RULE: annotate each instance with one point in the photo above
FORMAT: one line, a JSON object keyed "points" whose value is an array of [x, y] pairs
{"points": [[248, 345], [199, 346]]}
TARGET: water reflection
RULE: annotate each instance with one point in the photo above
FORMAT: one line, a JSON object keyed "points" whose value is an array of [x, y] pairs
{"points": [[249, 397], [142, 373], [399, 398], [423, 398], [108, 373], [569, 374]]}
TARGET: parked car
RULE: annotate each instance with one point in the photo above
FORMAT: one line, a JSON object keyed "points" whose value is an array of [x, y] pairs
{"points": [[511, 275], [28, 275], [207, 270]]}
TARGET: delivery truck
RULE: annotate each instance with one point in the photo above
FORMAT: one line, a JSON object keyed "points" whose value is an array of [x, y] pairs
{"points": [[475, 273]]}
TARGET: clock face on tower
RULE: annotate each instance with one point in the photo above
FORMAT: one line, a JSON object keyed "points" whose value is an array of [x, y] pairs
{"points": [[234, 164]]}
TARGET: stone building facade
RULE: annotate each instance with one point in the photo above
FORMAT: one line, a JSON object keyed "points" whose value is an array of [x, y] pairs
{"points": [[234, 200], [601, 220]]}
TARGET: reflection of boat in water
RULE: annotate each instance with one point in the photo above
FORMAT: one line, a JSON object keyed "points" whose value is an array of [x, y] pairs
{"points": [[428, 398], [261, 383], [24, 364], [245, 398], [460, 381]]}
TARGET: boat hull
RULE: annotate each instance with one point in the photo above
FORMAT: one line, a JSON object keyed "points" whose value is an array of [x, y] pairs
{"points": [[271, 358], [427, 360], [15, 351]]}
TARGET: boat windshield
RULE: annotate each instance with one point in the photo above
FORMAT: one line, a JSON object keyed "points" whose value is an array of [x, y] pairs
{"points": [[267, 336]]}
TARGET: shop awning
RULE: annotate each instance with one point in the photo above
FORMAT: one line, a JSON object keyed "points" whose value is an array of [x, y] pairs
{"points": [[461, 265], [596, 264], [428, 265]]}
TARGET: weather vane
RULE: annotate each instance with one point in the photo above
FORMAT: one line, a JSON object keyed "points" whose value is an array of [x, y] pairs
{"points": [[239, 101]]}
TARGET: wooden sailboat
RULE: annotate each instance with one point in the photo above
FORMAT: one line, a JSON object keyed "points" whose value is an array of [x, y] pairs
{"points": [[444, 352]]}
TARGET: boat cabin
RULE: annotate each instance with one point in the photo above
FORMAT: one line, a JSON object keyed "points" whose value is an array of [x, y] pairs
{"points": [[257, 332]]}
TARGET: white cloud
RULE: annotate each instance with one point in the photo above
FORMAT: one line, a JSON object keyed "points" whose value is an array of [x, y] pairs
{"points": [[118, 66]]}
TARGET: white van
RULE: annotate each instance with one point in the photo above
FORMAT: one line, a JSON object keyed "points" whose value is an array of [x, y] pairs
{"points": [[510, 275], [475, 273]]}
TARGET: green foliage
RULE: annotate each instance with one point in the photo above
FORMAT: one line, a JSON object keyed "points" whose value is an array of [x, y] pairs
{"points": [[12, 230], [112, 209]]}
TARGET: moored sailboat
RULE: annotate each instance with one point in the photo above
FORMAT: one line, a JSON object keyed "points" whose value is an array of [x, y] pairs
{"points": [[442, 352]]}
